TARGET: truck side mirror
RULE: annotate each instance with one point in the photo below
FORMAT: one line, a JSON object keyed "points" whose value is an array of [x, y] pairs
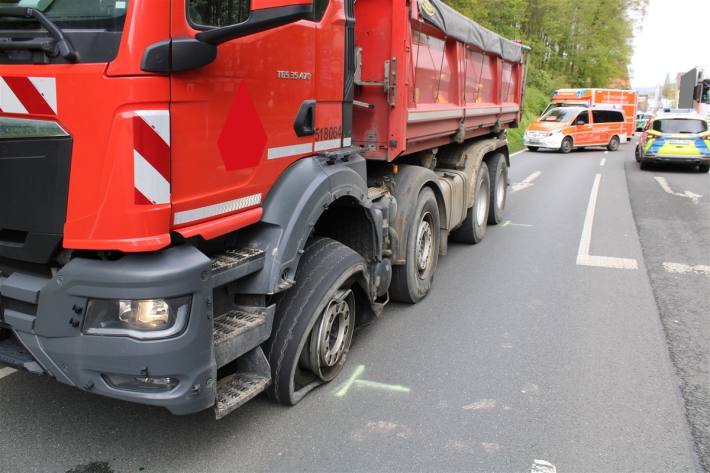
{"points": [[178, 55], [264, 15], [186, 54]]}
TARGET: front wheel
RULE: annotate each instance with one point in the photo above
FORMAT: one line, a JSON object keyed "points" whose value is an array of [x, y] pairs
{"points": [[473, 228], [412, 281], [613, 143], [567, 145], [498, 170], [314, 321]]}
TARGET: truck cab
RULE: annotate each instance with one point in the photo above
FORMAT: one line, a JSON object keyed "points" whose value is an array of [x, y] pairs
{"points": [[200, 200]]}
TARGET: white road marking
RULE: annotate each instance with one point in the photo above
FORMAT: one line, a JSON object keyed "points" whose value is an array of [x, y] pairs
{"points": [[681, 268], [4, 372], [606, 152], [603, 162], [525, 183], [542, 466], [482, 405], [518, 152], [663, 182], [508, 223], [583, 256]]}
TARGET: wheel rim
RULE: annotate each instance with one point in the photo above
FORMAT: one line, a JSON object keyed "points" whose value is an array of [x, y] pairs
{"points": [[500, 191], [566, 145], [482, 202], [425, 245], [332, 334]]}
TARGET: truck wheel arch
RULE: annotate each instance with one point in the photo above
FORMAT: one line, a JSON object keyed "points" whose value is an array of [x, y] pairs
{"points": [[292, 209]]}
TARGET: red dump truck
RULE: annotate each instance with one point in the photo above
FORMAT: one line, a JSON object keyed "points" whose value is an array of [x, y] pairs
{"points": [[201, 200]]}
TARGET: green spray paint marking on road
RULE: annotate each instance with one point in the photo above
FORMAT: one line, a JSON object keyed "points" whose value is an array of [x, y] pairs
{"points": [[354, 380], [387, 387], [343, 390]]}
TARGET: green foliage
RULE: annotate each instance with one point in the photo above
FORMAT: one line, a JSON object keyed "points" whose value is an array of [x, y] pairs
{"points": [[535, 102], [574, 43]]}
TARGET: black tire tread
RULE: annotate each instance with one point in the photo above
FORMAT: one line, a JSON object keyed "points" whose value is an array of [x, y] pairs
{"points": [[320, 263]]}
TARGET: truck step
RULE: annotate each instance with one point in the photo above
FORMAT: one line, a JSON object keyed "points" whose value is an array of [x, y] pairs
{"points": [[239, 331], [236, 389], [13, 354], [235, 264]]}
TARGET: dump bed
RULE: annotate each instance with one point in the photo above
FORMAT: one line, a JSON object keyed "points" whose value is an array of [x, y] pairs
{"points": [[426, 76]]}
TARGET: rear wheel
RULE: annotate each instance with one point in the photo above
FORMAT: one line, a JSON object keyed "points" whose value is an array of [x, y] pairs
{"points": [[314, 321], [567, 145], [704, 167], [638, 154], [613, 143], [412, 281], [533, 148], [474, 226], [498, 170]]}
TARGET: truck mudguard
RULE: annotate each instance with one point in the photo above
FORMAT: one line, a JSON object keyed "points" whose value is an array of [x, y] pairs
{"points": [[409, 181], [291, 210]]}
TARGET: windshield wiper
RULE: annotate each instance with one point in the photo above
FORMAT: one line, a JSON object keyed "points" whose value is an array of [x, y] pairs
{"points": [[62, 45]]}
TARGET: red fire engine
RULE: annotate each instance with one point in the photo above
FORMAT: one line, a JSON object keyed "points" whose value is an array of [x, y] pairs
{"points": [[200, 200]]}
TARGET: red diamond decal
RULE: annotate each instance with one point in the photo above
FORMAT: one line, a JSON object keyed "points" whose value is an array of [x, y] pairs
{"points": [[243, 137]]}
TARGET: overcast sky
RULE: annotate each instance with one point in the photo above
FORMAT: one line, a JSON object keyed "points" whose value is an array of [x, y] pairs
{"points": [[675, 37]]}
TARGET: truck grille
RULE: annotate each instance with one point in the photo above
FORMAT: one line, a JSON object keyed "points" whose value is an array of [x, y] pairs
{"points": [[34, 187]]}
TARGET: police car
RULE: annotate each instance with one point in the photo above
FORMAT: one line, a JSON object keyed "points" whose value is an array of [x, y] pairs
{"points": [[676, 138]]}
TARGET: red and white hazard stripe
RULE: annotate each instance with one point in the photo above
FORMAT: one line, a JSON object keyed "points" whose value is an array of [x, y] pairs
{"points": [[28, 95], [151, 157]]}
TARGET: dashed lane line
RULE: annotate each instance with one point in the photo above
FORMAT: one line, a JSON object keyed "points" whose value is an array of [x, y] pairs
{"points": [[585, 243], [681, 268], [602, 162], [525, 183], [5, 372]]}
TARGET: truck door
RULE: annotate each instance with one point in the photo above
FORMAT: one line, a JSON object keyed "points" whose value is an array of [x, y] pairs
{"points": [[239, 121]]}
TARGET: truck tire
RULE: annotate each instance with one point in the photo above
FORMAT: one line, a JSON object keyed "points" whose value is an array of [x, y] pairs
{"points": [[498, 170], [474, 226], [614, 143], [314, 321], [567, 145], [412, 281]]}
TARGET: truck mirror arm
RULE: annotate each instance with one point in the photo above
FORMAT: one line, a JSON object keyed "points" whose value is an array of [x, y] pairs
{"points": [[259, 20]]}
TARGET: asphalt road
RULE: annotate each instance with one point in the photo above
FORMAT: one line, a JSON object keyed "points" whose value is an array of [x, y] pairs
{"points": [[525, 353]]}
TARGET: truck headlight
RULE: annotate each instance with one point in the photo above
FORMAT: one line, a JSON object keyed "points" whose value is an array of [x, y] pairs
{"points": [[142, 319], [554, 132]]}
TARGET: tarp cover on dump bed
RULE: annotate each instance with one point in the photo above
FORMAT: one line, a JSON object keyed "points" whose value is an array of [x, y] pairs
{"points": [[458, 26]]}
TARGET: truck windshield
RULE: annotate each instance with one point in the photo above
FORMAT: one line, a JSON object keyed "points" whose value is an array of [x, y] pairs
{"points": [[680, 125], [559, 115], [70, 14]]}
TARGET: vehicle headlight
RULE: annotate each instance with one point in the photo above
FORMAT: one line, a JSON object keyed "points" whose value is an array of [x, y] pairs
{"points": [[554, 132], [142, 319]]}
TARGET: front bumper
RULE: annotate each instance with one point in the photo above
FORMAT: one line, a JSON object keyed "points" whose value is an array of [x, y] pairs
{"points": [[45, 316], [552, 142]]}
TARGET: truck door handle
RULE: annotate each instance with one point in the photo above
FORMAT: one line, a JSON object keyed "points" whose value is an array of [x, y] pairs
{"points": [[306, 119]]}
